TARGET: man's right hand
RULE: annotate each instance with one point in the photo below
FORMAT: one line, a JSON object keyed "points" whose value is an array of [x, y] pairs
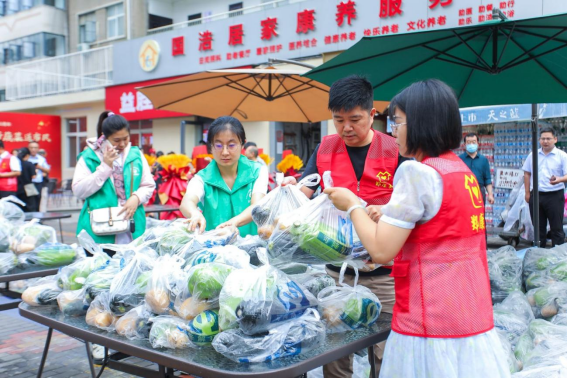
{"points": [[527, 197], [289, 181], [109, 156]]}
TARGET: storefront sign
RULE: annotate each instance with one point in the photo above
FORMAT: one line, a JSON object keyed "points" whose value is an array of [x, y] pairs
{"points": [[308, 28], [17, 130], [510, 113], [508, 178], [134, 105], [149, 55]]}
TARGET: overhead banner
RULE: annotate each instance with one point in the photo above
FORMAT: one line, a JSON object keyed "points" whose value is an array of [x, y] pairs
{"points": [[19, 129]]}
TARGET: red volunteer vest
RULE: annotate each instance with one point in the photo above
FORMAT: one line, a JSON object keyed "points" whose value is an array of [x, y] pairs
{"points": [[7, 184], [441, 274], [376, 185]]}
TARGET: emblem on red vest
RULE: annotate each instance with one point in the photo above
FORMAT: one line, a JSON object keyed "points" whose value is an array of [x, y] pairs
{"points": [[471, 184], [384, 179]]}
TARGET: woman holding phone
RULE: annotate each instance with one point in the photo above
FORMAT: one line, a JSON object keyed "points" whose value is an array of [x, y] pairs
{"points": [[111, 172]]}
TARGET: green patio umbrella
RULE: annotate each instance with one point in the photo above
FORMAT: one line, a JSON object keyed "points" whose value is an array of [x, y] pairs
{"points": [[494, 63]]}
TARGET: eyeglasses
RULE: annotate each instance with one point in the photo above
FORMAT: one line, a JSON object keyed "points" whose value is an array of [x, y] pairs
{"points": [[395, 126], [220, 147], [546, 139]]}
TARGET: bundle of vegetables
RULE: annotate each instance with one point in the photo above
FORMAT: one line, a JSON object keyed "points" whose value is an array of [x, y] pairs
{"points": [[205, 282], [166, 281], [10, 212], [99, 313], [42, 292], [512, 316], [73, 303], [6, 229], [280, 201], [135, 324], [175, 333], [314, 281], [346, 308], [256, 300], [505, 269], [545, 301], [128, 288], [513, 363], [51, 254], [32, 235], [8, 261], [229, 255], [174, 238], [74, 276], [554, 273], [251, 244], [296, 336], [99, 279], [538, 260]]}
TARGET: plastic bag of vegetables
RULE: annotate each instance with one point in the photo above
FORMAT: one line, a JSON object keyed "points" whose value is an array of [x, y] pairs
{"points": [[540, 333], [72, 303], [280, 201], [513, 363], [135, 324], [346, 308], [251, 244], [315, 233], [538, 260], [32, 235], [6, 229], [512, 316], [74, 276], [229, 255], [128, 288], [505, 270], [99, 279], [212, 238], [7, 262], [42, 292], [545, 301], [51, 254], [166, 282], [169, 332], [314, 281], [99, 313], [154, 222], [174, 238], [10, 212], [256, 300], [291, 338]]}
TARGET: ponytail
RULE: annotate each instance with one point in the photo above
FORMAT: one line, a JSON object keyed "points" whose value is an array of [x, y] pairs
{"points": [[110, 123]]}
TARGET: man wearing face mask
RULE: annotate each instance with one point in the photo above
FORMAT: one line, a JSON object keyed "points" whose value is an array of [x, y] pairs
{"points": [[479, 165]]}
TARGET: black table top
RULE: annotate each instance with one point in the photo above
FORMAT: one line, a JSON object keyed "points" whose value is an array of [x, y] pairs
{"points": [[46, 215], [206, 362], [161, 208], [28, 273]]}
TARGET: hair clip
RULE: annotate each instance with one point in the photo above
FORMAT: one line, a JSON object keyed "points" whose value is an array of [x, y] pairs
{"points": [[110, 114]]}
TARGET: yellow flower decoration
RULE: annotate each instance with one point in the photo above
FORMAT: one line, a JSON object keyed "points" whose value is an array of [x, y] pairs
{"points": [[151, 160], [266, 158], [201, 156], [175, 160], [291, 161]]}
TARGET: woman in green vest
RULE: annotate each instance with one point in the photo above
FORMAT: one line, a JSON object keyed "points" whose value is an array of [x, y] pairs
{"points": [[228, 187], [104, 174]]}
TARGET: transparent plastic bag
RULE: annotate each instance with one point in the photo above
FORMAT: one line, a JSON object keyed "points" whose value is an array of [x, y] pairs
{"points": [[42, 292], [204, 327], [212, 238], [173, 238], [251, 244], [539, 260], [545, 370], [52, 254], [512, 316], [256, 300], [291, 338], [229, 255], [346, 308], [99, 279], [10, 211], [72, 303], [128, 288], [154, 222], [135, 324], [32, 235], [6, 231], [545, 300], [165, 283], [99, 313], [505, 270], [74, 276], [205, 281], [518, 210], [280, 201], [169, 332], [315, 233], [8, 261], [314, 281], [513, 363]]}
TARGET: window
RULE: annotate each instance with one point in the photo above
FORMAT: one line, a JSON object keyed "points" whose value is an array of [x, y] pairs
{"points": [[87, 28], [141, 134], [53, 45], [194, 19], [159, 21], [30, 47], [13, 6], [115, 21], [2, 95], [234, 9], [76, 138]]}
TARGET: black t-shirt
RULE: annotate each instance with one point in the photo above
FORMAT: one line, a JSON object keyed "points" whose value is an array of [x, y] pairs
{"points": [[28, 170], [357, 157]]}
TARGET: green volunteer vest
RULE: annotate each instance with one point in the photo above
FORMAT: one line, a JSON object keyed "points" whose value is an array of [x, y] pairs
{"points": [[221, 204], [106, 196]]}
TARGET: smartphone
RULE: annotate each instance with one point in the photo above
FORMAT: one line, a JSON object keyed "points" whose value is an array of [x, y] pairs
{"points": [[552, 178], [107, 146]]}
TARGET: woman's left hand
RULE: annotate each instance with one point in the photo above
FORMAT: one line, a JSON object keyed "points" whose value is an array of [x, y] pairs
{"points": [[342, 198], [233, 222], [129, 208]]}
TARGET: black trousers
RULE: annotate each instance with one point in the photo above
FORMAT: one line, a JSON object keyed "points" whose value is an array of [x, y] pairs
{"points": [[39, 187], [551, 206]]}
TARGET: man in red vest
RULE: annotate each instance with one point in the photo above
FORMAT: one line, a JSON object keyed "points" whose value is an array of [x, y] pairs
{"points": [[10, 169], [364, 161]]}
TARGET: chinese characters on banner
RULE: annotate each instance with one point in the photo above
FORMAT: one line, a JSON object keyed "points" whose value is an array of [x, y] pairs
{"points": [[17, 130], [508, 178]]}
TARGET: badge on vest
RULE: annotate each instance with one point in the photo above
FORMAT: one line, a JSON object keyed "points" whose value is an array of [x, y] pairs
{"points": [[471, 184], [137, 171], [384, 180]]}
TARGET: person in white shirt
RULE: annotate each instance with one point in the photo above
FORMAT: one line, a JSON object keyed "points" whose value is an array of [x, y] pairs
{"points": [[10, 169], [252, 153], [552, 171], [41, 168]]}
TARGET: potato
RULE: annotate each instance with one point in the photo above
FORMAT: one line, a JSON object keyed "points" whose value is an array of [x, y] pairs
{"points": [[549, 310], [103, 320], [332, 314], [178, 339], [126, 325], [192, 307], [158, 300], [29, 296], [91, 315], [266, 231], [24, 247]]}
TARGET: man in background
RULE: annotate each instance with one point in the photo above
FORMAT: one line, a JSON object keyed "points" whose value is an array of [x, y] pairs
{"points": [[252, 153], [10, 169], [42, 170], [45, 190]]}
